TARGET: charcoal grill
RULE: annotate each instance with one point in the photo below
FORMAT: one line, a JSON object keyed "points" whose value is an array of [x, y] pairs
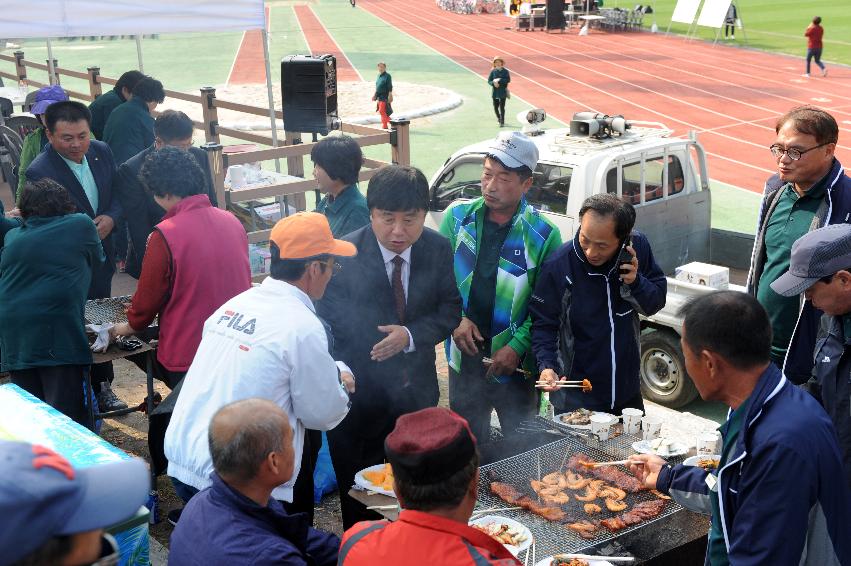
{"points": [[102, 311], [553, 537]]}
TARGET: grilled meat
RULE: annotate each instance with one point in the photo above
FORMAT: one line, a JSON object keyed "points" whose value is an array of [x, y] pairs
{"points": [[511, 495], [639, 512], [585, 529], [610, 474]]}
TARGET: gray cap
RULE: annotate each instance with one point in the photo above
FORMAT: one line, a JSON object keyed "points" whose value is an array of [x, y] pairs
{"points": [[817, 254], [514, 150]]}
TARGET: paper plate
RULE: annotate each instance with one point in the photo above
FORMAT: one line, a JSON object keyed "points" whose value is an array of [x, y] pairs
{"points": [[514, 549], [368, 485], [674, 449]]}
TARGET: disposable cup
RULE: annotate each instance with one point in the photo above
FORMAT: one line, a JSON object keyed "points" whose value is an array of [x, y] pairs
{"points": [[651, 428], [237, 176], [709, 443], [632, 420], [601, 426]]}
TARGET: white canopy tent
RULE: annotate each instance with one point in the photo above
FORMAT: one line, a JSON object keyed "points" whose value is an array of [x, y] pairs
{"points": [[78, 18]]}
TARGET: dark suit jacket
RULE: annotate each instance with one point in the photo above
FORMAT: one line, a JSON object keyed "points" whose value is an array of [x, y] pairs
{"points": [[360, 298], [49, 164], [140, 208]]}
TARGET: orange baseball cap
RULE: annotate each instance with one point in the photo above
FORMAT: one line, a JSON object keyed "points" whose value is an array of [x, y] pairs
{"points": [[308, 234]]}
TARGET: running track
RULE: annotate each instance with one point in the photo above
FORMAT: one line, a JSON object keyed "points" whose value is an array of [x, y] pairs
{"points": [[248, 65], [731, 97], [319, 41]]}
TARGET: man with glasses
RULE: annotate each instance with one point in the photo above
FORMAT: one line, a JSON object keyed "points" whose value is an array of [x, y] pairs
{"points": [[53, 513], [172, 128], [821, 270], [810, 190], [267, 342]]}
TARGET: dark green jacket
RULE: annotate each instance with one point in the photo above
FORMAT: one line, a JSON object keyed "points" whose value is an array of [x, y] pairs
{"points": [[129, 130], [505, 78], [346, 213], [383, 86], [101, 107], [45, 272]]}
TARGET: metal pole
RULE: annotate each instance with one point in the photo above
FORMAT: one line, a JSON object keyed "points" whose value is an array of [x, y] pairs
{"points": [[139, 53], [269, 92], [51, 69]]}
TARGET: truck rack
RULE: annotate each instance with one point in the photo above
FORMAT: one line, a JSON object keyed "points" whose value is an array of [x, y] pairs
{"points": [[565, 143]]}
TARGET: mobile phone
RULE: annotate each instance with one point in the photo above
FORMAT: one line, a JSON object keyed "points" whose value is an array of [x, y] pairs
{"points": [[624, 256]]}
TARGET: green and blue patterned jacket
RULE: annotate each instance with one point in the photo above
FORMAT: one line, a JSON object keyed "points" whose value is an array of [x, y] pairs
{"points": [[531, 239]]}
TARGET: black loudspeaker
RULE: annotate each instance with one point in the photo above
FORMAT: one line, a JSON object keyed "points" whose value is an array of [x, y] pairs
{"points": [[555, 14], [309, 93]]}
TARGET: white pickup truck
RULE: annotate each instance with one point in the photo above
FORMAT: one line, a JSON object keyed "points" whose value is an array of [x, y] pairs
{"points": [[664, 177]]}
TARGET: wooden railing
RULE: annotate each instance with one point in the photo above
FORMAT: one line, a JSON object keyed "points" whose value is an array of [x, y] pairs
{"points": [[292, 149]]}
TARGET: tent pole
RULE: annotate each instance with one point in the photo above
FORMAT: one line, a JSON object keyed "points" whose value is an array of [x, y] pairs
{"points": [[139, 53], [51, 71], [269, 92]]}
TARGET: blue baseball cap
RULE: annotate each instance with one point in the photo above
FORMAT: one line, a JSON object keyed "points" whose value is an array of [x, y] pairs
{"points": [[47, 95], [42, 496]]}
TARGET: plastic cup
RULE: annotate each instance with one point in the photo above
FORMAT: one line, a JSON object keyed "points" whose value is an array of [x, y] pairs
{"points": [[632, 420], [708, 443], [601, 426], [237, 176], [651, 428]]}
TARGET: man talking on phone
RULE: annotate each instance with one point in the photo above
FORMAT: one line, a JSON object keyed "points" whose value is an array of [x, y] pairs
{"points": [[585, 309]]}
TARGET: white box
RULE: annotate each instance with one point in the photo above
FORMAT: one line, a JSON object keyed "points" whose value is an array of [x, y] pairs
{"points": [[715, 276]]}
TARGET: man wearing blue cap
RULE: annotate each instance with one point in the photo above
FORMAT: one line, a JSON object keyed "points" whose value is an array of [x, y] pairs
{"points": [[820, 268], [52, 513], [37, 139]]}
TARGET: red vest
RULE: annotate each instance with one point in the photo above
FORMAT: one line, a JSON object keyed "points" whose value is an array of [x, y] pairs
{"points": [[209, 266]]}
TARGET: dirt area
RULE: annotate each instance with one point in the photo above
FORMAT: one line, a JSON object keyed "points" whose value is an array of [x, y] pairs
{"points": [[354, 99], [130, 433]]}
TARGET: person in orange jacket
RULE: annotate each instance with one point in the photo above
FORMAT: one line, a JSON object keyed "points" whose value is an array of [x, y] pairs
{"points": [[436, 474]]}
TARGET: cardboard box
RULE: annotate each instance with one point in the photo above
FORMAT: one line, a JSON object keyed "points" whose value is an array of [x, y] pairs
{"points": [[715, 276]]}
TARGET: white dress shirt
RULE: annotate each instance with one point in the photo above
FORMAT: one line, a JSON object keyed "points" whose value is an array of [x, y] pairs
{"points": [[388, 256]]}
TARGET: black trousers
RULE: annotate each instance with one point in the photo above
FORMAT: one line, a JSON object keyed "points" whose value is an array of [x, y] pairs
{"points": [[499, 109], [473, 397], [354, 446], [61, 387], [303, 487]]}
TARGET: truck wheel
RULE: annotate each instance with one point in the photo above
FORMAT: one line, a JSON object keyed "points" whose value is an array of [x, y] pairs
{"points": [[663, 370]]}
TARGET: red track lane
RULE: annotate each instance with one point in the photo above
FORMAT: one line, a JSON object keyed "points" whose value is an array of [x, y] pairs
{"points": [[320, 42], [732, 97], [249, 66]]}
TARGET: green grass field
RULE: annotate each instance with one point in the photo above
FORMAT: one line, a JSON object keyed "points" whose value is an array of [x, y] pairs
{"points": [[774, 25]]}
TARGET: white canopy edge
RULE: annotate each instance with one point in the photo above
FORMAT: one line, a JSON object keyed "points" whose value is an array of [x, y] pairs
{"points": [[77, 18]]}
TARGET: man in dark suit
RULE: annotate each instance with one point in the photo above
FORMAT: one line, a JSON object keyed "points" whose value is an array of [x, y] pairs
{"points": [[87, 170], [388, 308], [172, 128]]}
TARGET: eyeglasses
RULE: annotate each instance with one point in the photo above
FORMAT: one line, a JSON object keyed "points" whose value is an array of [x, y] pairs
{"points": [[794, 154], [336, 267]]}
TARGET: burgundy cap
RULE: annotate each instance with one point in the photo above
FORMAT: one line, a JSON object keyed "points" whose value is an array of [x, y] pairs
{"points": [[429, 445]]}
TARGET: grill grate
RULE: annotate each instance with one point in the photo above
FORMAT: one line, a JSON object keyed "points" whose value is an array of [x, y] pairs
{"points": [[101, 311], [552, 537]]}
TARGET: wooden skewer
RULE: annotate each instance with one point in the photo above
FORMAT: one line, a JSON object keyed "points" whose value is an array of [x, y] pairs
{"points": [[526, 372], [598, 464], [493, 510], [590, 557], [559, 382], [383, 507]]}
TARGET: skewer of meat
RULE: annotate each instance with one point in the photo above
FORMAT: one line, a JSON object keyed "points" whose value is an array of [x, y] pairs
{"points": [[609, 474], [639, 512]]}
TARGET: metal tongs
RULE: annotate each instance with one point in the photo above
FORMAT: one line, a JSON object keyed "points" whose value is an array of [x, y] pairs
{"points": [[540, 424]]}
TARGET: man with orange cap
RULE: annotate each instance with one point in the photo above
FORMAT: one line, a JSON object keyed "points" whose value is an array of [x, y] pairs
{"points": [[266, 342], [436, 476]]}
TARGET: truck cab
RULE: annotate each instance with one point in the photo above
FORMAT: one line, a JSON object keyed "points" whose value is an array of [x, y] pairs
{"points": [[665, 178]]}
